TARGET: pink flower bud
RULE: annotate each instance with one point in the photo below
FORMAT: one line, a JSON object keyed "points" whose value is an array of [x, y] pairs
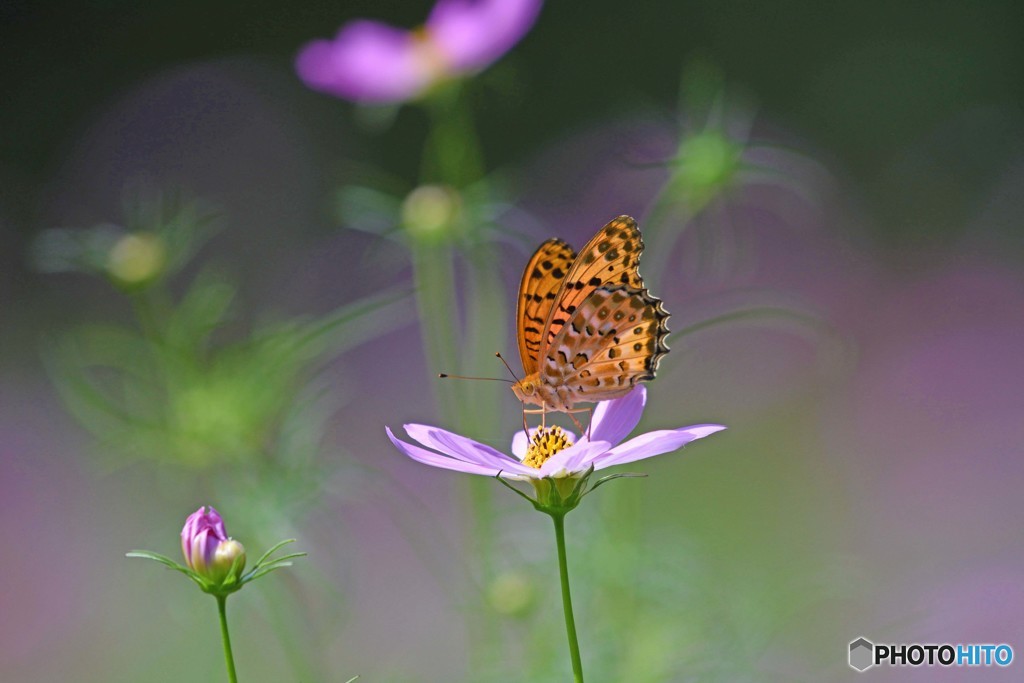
{"points": [[207, 549]]}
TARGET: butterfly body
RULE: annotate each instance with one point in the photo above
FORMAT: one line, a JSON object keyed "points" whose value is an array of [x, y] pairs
{"points": [[588, 329]]}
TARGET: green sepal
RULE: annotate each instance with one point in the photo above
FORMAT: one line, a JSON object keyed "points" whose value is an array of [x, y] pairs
{"points": [[235, 579], [620, 475], [558, 496]]}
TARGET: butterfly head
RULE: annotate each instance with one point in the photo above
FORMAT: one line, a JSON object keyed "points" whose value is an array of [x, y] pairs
{"points": [[527, 388]]}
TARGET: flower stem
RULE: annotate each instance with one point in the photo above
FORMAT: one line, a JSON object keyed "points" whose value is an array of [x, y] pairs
{"points": [[570, 622], [229, 659]]}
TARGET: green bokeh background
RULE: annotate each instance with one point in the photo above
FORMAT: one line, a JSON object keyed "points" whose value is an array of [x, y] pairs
{"points": [[869, 482]]}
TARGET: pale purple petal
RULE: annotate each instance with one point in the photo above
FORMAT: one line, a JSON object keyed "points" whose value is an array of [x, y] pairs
{"points": [[472, 34], [463, 448], [521, 442], [654, 443], [614, 420], [573, 459], [368, 62], [436, 460]]}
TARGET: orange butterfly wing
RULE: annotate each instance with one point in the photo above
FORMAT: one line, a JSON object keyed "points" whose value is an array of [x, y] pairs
{"points": [[538, 291], [614, 340], [610, 258]]}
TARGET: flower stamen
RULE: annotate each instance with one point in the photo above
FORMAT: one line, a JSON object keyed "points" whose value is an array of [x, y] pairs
{"points": [[545, 442]]}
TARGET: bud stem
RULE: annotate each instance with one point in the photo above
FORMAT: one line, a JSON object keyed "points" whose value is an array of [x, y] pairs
{"points": [[570, 622], [229, 659]]}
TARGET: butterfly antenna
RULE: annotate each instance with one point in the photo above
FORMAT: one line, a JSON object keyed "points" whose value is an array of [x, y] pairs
{"points": [[444, 375], [502, 359]]}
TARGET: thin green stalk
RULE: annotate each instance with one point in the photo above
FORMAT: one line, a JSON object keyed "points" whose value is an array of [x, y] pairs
{"points": [[570, 622], [229, 659], [452, 153], [485, 333], [435, 302], [452, 156]]}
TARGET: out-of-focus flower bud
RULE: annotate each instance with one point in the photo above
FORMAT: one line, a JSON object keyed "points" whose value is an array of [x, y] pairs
{"points": [[512, 593], [431, 212], [136, 258], [708, 163]]}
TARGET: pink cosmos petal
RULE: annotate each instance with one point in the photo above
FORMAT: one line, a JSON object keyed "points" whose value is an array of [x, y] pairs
{"points": [[204, 545], [449, 463], [614, 420], [201, 531], [472, 34], [368, 62], [188, 532], [463, 448], [573, 459], [654, 443], [521, 442]]}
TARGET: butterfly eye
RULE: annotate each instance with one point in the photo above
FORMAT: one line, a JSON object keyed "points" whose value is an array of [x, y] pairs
{"points": [[529, 388]]}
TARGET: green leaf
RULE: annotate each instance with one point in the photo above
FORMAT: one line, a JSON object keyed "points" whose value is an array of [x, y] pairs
{"points": [[375, 314], [270, 552], [162, 559], [170, 564]]}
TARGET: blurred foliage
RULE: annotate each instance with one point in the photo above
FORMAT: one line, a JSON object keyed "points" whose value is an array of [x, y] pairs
{"points": [[160, 234], [185, 385]]}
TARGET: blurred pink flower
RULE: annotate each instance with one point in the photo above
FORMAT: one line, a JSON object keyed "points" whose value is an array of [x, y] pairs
{"points": [[369, 61], [553, 452]]}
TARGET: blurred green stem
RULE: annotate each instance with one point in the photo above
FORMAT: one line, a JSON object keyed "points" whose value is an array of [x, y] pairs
{"points": [[452, 152], [452, 157], [229, 659], [485, 333], [150, 308], [436, 303], [570, 621]]}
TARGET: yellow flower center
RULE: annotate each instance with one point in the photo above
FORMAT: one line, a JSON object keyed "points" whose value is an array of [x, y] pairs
{"points": [[545, 443], [428, 55]]}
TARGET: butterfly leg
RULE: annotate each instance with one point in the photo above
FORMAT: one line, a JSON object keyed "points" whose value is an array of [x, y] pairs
{"points": [[590, 416], [542, 411]]}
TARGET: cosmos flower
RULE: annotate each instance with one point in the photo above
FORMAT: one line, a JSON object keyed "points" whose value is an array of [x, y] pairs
{"points": [[372, 62], [554, 452]]}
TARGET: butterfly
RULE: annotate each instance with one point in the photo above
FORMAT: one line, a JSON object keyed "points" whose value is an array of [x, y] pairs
{"points": [[587, 328]]}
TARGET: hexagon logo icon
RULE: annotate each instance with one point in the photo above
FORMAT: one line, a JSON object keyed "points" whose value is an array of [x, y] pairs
{"points": [[862, 654]]}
